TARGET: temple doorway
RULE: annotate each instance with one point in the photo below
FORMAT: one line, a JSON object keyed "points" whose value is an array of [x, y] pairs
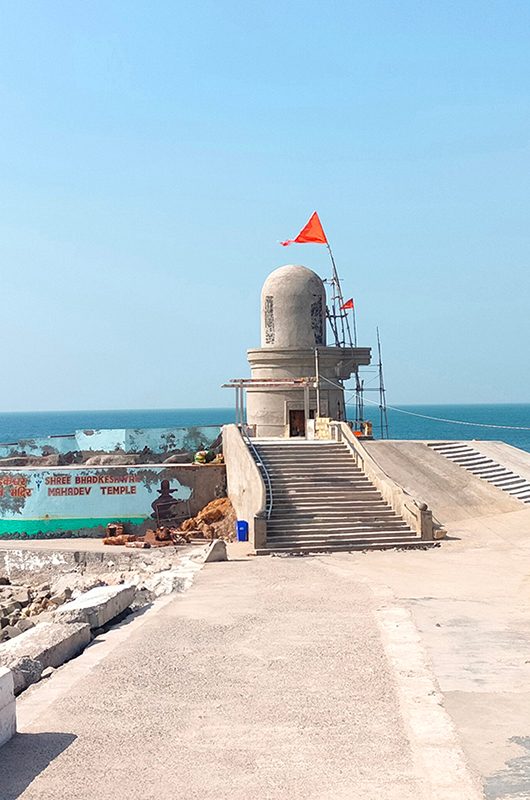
{"points": [[296, 423]]}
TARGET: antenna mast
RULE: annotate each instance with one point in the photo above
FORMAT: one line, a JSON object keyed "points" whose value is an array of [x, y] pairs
{"points": [[383, 417]]}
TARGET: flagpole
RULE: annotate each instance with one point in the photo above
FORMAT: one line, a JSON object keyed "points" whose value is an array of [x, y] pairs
{"points": [[354, 325], [339, 297]]}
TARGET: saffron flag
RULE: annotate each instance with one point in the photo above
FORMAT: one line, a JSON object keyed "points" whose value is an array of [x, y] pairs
{"points": [[348, 304], [312, 232]]}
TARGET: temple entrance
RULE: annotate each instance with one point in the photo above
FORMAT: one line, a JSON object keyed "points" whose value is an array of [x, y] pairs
{"points": [[296, 423]]}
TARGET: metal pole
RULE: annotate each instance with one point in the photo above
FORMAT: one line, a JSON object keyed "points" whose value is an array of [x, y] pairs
{"points": [[383, 417], [354, 326], [306, 407], [237, 405], [242, 404], [337, 296], [317, 371]]}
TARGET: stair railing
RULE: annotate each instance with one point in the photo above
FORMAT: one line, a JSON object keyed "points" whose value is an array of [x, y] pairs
{"points": [[259, 461]]}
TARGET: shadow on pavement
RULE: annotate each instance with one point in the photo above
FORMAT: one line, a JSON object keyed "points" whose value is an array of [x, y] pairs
{"points": [[25, 756]]}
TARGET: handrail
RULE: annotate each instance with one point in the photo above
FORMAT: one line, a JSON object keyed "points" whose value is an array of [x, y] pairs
{"points": [[261, 464]]}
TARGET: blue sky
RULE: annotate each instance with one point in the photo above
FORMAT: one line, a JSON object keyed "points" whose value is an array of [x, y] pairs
{"points": [[153, 154]]}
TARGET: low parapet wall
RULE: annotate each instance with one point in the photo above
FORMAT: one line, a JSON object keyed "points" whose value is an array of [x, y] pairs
{"points": [[8, 717], [413, 511], [245, 486], [113, 440]]}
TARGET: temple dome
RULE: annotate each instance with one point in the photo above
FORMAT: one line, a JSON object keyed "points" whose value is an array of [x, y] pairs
{"points": [[293, 309]]}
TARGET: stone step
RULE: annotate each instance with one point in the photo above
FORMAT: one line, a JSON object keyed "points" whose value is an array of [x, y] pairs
{"points": [[472, 458], [319, 529], [328, 525], [337, 507], [323, 497], [331, 547], [307, 538], [489, 471], [354, 495], [508, 482], [323, 478], [486, 469], [327, 512], [324, 472], [519, 490]]}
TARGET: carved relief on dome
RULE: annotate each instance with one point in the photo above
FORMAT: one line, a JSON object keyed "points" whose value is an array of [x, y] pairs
{"points": [[269, 319], [317, 321]]}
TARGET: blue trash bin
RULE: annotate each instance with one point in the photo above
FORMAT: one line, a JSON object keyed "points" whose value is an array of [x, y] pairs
{"points": [[242, 530]]}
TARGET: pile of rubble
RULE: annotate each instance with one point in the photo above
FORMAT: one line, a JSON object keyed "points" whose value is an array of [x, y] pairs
{"points": [[22, 606], [215, 521]]}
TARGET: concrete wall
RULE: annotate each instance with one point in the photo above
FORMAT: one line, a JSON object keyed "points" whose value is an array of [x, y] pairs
{"points": [[81, 500], [413, 511], [128, 440], [245, 486], [8, 719]]}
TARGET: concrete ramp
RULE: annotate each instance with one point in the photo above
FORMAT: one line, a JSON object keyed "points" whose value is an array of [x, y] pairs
{"points": [[453, 493]]}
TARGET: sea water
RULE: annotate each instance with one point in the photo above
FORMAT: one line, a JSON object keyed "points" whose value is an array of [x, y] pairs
{"points": [[405, 422]]}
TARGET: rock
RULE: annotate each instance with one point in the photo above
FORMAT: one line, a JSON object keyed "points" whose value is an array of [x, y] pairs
{"points": [[142, 598], [59, 599], [179, 458], [52, 460], [48, 672], [10, 631], [73, 584], [25, 625], [4, 581], [112, 459], [49, 643], [9, 608], [25, 672], [98, 606], [216, 551], [14, 461], [20, 594]]}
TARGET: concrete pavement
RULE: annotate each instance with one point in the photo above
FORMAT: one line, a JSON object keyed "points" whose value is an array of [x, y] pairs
{"points": [[270, 678]]}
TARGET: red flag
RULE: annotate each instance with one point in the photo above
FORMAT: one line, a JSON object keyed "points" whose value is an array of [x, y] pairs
{"points": [[313, 232], [347, 304]]}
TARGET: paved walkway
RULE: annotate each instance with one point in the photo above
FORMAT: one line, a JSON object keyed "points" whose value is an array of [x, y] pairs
{"points": [[269, 679]]}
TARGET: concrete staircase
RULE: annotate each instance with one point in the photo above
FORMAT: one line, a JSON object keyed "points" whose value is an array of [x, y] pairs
{"points": [[321, 501], [465, 455]]}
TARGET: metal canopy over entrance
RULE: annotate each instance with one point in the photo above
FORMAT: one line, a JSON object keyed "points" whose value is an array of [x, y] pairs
{"points": [[297, 418]]}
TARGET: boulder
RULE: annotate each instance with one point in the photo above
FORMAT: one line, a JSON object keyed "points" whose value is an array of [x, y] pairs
{"points": [[98, 606], [48, 643], [216, 551], [112, 460]]}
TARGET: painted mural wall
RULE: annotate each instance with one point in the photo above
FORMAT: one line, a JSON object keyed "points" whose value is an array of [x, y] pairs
{"points": [[81, 500], [127, 440]]}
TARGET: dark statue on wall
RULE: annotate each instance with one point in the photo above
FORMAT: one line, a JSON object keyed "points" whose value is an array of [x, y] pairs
{"points": [[164, 507]]}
